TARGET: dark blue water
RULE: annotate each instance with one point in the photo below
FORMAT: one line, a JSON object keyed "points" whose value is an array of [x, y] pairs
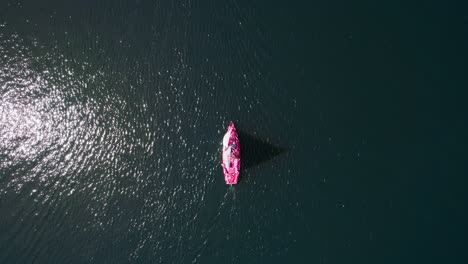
{"points": [[350, 115]]}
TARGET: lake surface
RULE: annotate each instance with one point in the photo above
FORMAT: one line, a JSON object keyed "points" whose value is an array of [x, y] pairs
{"points": [[351, 122]]}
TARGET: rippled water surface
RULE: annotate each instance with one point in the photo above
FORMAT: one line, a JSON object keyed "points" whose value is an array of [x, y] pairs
{"points": [[111, 120], [112, 115]]}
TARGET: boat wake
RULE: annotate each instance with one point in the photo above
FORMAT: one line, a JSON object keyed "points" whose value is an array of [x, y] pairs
{"points": [[224, 221]]}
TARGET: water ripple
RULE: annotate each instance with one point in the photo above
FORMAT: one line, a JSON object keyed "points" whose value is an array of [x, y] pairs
{"points": [[110, 145]]}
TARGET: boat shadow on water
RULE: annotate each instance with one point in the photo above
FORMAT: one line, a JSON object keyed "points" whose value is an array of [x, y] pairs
{"points": [[255, 150]]}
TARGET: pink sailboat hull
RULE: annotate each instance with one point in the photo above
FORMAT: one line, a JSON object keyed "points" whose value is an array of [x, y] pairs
{"points": [[231, 155]]}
